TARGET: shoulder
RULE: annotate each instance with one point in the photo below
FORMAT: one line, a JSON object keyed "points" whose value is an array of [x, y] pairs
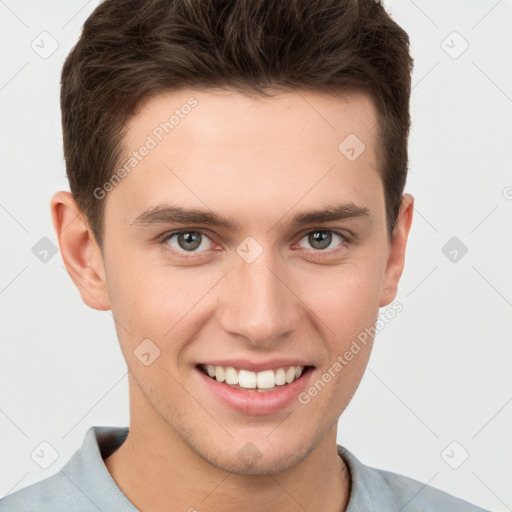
{"points": [[55, 493], [83, 484], [419, 497], [377, 489]]}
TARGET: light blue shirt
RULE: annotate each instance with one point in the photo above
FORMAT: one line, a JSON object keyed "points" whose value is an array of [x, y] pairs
{"points": [[85, 485]]}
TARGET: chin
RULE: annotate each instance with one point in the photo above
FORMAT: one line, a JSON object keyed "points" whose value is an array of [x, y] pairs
{"points": [[260, 463], [245, 458]]}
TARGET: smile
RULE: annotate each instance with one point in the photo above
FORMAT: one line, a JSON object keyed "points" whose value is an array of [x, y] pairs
{"points": [[254, 392], [243, 379]]}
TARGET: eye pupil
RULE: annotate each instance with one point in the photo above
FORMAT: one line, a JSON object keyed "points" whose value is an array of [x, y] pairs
{"points": [[322, 237], [187, 238]]}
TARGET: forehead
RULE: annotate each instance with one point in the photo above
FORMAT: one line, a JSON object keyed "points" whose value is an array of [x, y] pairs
{"points": [[221, 149], [230, 118]]}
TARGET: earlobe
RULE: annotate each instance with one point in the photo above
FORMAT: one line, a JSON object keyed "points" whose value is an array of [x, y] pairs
{"points": [[396, 256], [80, 252]]}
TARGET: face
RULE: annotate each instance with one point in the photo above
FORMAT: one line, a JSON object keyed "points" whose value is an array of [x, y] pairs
{"points": [[267, 288]]}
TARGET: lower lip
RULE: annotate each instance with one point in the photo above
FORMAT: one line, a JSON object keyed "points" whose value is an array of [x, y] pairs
{"points": [[254, 402]]}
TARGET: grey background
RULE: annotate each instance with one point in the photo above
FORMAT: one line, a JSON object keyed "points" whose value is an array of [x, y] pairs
{"points": [[440, 371]]}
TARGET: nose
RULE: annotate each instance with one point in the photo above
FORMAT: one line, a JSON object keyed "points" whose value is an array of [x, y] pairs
{"points": [[258, 302]]}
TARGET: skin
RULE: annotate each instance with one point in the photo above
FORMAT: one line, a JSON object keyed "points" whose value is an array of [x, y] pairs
{"points": [[260, 161]]}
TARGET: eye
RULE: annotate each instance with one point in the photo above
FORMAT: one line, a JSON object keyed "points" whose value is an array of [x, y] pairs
{"points": [[321, 239], [186, 241]]}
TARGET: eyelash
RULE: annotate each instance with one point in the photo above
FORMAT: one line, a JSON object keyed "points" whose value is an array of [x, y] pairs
{"points": [[163, 239]]}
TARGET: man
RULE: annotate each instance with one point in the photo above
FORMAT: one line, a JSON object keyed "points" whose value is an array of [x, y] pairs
{"points": [[237, 173]]}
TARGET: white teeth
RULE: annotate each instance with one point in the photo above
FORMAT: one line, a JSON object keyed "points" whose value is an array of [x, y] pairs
{"points": [[290, 374], [247, 379], [219, 373], [280, 377], [231, 375], [266, 379]]}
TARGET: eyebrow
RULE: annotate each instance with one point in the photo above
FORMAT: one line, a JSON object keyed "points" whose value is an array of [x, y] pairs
{"points": [[168, 214]]}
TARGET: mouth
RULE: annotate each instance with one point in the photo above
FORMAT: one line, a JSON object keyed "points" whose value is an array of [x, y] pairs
{"points": [[265, 381]]}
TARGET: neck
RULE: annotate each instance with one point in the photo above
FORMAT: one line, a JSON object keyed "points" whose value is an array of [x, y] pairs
{"points": [[158, 471]]}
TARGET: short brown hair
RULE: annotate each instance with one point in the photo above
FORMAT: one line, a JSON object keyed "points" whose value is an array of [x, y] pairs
{"points": [[131, 50]]}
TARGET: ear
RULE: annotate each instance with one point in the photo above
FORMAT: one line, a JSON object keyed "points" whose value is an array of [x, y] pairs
{"points": [[396, 256], [81, 254]]}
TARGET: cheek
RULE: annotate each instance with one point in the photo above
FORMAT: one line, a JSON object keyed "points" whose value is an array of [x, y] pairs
{"points": [[346, 298], [158, 302], [349, 308]]}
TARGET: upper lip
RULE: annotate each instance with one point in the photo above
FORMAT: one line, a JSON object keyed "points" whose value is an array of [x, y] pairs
{"points": [[257, 366]]}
